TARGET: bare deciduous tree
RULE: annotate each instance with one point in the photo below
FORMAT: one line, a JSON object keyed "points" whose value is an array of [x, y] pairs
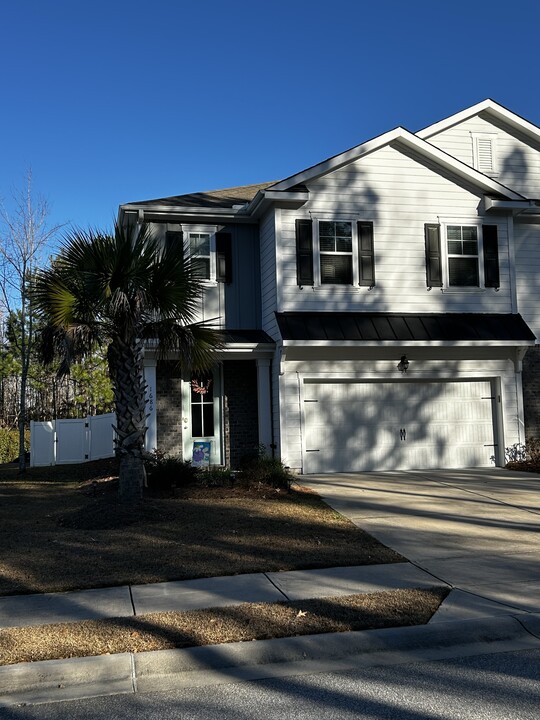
{"points": [[26, 241]]}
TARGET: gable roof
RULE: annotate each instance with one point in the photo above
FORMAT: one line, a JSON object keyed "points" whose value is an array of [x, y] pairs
{"points": [[249, 200], [486, 107], [401, 137]]}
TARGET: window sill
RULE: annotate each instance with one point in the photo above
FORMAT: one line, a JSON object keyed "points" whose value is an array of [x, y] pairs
{"points": [[463, 290]]}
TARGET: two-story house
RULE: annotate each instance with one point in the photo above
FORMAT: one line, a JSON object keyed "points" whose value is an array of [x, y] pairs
{"points": [[379, 308]]}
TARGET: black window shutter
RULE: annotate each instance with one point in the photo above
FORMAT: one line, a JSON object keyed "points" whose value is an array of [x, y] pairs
{"points": [[491, 256], [174, 238], [366, 254], [432, 235], [304, 252], [224, 257]]}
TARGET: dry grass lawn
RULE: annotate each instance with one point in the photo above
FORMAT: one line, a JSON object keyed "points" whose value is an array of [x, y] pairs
{"points": [[250, 621], [61, 529]]}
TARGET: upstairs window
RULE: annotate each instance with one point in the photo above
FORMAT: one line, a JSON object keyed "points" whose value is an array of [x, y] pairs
{"points": [[462, 247], [336, 255], [199, 251], [334, 252], [468, 258], [210, 251]]}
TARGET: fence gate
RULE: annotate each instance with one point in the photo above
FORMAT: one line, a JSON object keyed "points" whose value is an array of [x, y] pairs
{"points": [[72, 441]]}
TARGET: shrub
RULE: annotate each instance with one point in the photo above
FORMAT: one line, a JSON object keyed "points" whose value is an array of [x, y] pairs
{"points": [[216, 477], [9, 445], [165, 472], [523, 452], [262, 469]]}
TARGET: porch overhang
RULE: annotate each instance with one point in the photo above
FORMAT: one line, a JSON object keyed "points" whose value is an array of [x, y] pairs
{"points": [[349, 330]]}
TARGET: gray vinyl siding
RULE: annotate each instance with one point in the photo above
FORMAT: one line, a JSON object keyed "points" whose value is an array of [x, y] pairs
{"points": [[399, 194], [518, 157], [243, 294], [267, 232]]}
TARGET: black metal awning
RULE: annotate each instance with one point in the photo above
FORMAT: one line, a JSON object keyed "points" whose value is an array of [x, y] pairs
{"points": [[406, 327]]}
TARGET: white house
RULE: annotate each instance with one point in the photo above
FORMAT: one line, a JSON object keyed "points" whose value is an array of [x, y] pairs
{"points": [[379, 308]]}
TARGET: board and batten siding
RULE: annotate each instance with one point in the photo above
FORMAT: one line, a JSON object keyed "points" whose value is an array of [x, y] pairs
{"points": [[399, 195], [384, 371], [518, 157], [243, 294], [267, 232]]}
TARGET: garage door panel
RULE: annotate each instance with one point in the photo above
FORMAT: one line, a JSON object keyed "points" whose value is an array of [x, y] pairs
{"points": [[393, 426]]}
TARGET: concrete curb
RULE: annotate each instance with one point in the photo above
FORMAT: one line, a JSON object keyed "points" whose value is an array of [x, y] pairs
{"points": [[55, 680]]}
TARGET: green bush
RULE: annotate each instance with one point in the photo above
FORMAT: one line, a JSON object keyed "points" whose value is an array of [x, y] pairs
{"points": [[9, 445], [165, 472], [261, 469]]}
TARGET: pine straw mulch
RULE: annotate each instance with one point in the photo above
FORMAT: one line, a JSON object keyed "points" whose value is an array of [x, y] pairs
{"points": [[62, 529], [249, 621]]}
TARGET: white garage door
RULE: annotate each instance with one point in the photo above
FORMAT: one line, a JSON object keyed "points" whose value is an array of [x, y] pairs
{"points": [[351, 427]]}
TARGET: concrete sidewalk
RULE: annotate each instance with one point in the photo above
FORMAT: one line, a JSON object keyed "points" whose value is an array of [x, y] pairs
{"points": [[24, 610]]}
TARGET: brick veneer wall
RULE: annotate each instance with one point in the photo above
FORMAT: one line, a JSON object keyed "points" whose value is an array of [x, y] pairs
{"points": [[531, 392], [169, 408], [240, 410]]}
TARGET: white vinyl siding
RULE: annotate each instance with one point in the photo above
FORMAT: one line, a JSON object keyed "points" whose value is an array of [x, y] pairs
{"points": [[517, 159], [399, 195]]}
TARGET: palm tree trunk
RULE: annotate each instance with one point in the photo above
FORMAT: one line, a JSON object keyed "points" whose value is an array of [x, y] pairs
{"points": [[127, 373]]}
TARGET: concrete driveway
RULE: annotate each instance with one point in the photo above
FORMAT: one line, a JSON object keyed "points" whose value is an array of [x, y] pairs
{"points": [[477, 530]]}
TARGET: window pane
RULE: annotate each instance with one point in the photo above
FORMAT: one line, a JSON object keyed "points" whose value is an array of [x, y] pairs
{"points": [[454, 247], [199, 243], [201, 267], [326, 228], [208, 420], [470, 247], [196, 421], [343, 229], [327, 244], [343, 244], [469, 233], [336, 269], [453, 232], [463, 272]]}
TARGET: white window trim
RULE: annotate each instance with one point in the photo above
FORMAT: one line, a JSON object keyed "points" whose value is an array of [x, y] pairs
{"points": [[447, 288], [329, 217], [207, 230], [492, 138]]}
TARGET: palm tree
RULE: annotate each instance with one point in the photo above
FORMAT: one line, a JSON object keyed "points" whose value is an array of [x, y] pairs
{"points": [[121, 290]]}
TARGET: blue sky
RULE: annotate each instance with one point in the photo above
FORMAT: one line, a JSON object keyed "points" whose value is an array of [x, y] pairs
{"points": [[111, 102]]}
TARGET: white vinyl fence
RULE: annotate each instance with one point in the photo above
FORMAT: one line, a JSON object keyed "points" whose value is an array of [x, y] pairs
{"points": [[60, 442]]}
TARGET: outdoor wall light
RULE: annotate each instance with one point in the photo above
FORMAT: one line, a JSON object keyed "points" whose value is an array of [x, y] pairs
{"points": [[403, 364]]}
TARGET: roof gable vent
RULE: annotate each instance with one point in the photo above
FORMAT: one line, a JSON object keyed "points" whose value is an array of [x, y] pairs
{"points": [[484, 154]]}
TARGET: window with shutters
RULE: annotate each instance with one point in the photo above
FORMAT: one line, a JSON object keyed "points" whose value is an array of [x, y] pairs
{"points": [[485, 153], [210, 250], [334, 252], [462, 256]]}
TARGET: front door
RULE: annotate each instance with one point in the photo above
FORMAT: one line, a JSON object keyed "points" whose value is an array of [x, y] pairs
{"points": [[201, 419]]}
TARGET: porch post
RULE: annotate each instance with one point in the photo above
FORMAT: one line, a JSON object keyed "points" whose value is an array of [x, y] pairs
{"points": [[264, 403], [150, 442]]}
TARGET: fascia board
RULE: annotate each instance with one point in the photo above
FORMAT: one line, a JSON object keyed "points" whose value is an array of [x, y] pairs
{"points": [[404, 343], [338, 161], [491, 108], [457, 167]]}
